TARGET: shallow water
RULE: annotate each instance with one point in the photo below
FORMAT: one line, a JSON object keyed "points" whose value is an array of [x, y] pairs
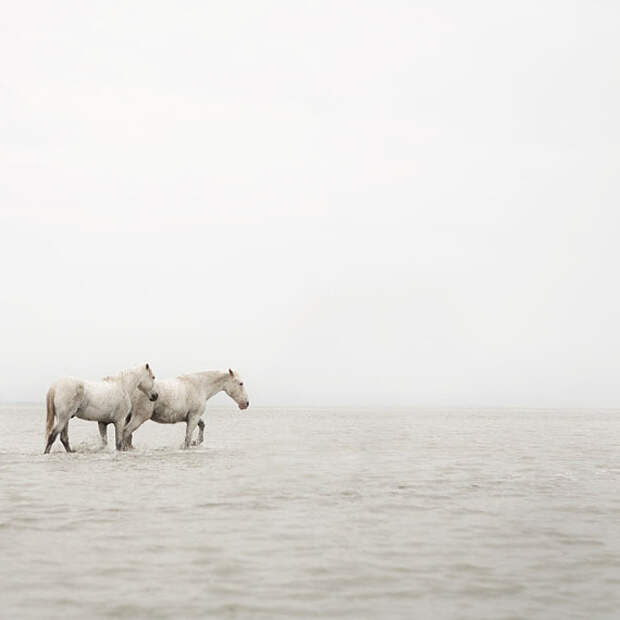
{"points": [[323, 513]]}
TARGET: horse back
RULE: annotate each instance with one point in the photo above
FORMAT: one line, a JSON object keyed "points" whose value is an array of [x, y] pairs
{"points": [[104, 401], [68, 393]]}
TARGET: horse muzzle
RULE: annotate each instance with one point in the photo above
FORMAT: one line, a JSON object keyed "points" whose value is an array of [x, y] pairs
{"points": [[153, 397], [244, 405]]}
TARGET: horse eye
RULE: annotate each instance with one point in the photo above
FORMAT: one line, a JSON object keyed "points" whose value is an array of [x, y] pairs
{"points": [[241, 383]]}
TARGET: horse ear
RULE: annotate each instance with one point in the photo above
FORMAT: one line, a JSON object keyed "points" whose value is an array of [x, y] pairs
{"points": [[230, 372]]}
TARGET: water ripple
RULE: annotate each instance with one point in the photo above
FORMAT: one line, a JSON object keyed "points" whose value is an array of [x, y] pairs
{"points": [[339, 514]]}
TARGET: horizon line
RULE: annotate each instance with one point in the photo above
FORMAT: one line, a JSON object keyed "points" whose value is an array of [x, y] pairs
{"points": [[384, 406]]}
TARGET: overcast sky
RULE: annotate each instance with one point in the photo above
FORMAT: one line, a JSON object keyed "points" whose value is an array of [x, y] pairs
{"points": [[365, 203]]}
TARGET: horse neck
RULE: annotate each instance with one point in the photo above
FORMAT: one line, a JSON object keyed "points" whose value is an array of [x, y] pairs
{"points": [[212, 382], [130, 379]]}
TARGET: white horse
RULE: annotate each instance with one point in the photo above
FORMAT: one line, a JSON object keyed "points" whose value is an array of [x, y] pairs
{"points": [[106, 401], [184, 400]]}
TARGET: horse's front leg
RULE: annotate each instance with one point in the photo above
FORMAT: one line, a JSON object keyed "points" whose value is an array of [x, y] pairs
{"points": [[192, 421], [119, 426], [103, 432], [134, 420], [201, 433]]}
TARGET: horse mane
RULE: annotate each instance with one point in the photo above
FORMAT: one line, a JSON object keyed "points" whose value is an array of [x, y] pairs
{"points": [[192, 376], [189, 376], [117, 377], [120, 375]]}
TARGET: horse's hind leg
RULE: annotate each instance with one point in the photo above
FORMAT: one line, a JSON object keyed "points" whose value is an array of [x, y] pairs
{"points": [[50, 440], [61, 424], [64, 438], [103, 431]]}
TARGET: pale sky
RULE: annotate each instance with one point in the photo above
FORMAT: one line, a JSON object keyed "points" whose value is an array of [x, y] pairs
{"points": [[351, 203]]}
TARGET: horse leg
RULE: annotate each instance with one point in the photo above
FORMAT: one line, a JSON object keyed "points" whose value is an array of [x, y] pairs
{"points": [[64, 438], [192, 421], [61, 423], [201, 433], [103, 431], [141, 411], [51, 439], [118, 433], [128, 434], [65, 403], [134, 421]]}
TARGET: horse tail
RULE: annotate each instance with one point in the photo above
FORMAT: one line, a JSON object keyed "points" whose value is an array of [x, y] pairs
{"points": [[51, 412]]}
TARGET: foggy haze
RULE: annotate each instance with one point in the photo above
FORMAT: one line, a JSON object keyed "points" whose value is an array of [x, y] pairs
{"points": [[350, 203]]}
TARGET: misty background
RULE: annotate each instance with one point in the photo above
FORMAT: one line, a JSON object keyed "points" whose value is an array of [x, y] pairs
{"points": [[351, 203]]}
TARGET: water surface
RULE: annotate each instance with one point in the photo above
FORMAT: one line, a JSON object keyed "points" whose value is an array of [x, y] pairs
{"points": [[316, 513]]}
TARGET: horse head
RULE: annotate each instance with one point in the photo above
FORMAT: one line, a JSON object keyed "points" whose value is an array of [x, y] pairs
{"points": [[146, 384], [236, 390]]}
